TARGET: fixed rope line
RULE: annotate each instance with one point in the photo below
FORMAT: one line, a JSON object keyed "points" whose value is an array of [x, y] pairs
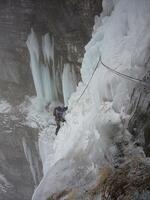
{"points": [[126, 76], [89, 80]]}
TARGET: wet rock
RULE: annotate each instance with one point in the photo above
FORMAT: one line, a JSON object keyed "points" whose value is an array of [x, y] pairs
{"points": [[140, 116]]}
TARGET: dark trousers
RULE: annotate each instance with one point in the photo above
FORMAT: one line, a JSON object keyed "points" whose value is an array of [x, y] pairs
{"points": [[58, 121], [57, 128]]}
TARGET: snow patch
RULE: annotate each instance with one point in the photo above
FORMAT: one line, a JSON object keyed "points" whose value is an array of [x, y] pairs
{"points": [[5, 107]]}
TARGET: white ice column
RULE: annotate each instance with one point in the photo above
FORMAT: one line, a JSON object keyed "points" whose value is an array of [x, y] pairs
{"points": [[48, 48], [69, 82], [33, 47], [47, 84], [49, 70]]}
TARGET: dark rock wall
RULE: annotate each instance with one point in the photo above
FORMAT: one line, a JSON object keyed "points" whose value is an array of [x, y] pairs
{"points": [[139, 123]]}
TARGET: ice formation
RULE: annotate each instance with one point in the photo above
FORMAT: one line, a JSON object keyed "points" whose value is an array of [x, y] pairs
{"points": [[43, 80], [121, 38], [69, 82], [34, 51], [48, 79], [33, 162]]}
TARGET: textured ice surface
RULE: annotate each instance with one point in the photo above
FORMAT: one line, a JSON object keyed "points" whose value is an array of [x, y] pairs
{"points": [[43, 80], [69, 82], [121, 38]]}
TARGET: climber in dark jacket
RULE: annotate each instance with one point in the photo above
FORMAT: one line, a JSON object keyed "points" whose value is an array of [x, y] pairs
{"points": [[59, 116]]}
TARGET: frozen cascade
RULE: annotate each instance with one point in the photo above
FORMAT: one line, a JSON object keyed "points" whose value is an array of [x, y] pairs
{"points": [[86, 142], [48, 48], [33, 47], [69, 82], [47, 83], [49, 77], [43, 79]]}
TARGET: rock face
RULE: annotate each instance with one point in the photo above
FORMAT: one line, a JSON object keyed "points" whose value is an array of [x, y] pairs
{"points": [[139, 124]]}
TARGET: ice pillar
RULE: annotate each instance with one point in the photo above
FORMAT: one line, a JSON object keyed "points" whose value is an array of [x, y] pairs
{"points": [[33, 47], [69, 82], [42, 67]]}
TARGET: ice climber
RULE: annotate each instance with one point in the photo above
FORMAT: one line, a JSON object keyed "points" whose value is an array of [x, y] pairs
{"points": [[59, 116]]}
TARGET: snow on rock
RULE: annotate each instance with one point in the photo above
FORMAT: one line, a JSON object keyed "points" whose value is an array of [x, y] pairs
{"points": [[121, 38], [66, 173], [5, 107], [35, 118], [4, 184], [44, 121]]}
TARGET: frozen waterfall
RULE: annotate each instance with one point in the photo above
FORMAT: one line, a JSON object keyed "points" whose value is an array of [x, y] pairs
{"points": [[48, 79], [40, 62], [34, 50]]}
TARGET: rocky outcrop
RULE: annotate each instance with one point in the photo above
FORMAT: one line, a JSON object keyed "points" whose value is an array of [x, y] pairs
{"points": [[139, 124]]}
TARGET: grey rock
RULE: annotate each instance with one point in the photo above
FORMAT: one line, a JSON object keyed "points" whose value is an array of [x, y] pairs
{"points": [[22, 174], [139, 124]]}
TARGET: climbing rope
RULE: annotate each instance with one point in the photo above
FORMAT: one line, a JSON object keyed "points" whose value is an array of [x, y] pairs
{"points": [[89, 80], [126, 76], [115, 72]]}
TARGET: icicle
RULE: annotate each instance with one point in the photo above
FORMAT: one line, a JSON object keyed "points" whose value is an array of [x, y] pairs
{"points": [[48, 79], [48, 53], [48, 92], [58, 78], [48, 48], [69, 82], [33, 46], [29, 158]]}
